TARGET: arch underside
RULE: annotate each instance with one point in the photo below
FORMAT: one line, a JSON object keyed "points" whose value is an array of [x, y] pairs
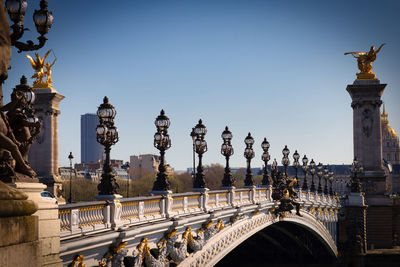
{"points": [[290, 238]]}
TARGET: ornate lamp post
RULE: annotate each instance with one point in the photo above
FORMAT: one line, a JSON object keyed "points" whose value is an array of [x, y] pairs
{"points": [[265, 157], [126, 167], [201, 147], [331, 179], [319, 174], [285, 159], [42, 18], [312, 171], [305, 170], [326, 177], [227, 151], [296, 163], [107, 135], [162, 142], [274, 172], [355, 170], [249, 154], [70, 157], [193, 135]]}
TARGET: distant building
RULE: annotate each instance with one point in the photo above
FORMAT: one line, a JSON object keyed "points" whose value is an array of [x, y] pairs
{"points": [[390, 141], [91, 150], [148, 162], [390, 153], [254, 171]]}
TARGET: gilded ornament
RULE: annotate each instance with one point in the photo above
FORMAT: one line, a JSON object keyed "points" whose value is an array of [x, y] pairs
{"points": [[364, 62], [42, 71]]}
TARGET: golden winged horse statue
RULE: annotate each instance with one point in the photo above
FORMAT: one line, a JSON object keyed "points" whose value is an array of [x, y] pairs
{"points": [[40, 73]]}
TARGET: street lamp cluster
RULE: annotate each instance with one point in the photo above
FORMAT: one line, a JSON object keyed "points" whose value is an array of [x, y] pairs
{"points": [[107, 135], [328, 175]]}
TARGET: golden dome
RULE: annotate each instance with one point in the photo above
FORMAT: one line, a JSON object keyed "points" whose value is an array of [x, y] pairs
{"points": [[388, 130]]}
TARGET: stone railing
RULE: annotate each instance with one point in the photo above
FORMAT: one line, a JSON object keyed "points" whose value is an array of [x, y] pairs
{"points": [[81, 218]]}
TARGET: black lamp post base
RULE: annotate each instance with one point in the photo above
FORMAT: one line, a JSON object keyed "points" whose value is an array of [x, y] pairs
{"points": [[108, 197], [227, 187], [200, 189], [108, 184], [199, 182], [161, 192]]}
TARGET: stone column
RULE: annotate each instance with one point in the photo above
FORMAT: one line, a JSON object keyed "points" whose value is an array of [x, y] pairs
{"points": [[366, 96], [43, 155]]}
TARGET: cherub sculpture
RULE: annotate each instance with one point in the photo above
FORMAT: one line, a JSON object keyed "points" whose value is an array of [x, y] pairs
{"points": [[364, 62], [39, 66]]}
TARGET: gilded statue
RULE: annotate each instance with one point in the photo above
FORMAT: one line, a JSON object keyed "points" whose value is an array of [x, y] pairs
{"points": [[364, 62], [42, 71]]}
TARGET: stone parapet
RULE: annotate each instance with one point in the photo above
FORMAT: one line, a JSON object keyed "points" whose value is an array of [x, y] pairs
{"points": [[19, 242], [49, 224]]}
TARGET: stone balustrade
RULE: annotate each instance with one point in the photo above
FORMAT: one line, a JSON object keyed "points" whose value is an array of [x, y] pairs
{"points": [[82, 218]]}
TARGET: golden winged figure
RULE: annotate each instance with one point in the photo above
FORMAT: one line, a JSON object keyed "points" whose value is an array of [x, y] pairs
{"points": [[42, 70], [364, 62]]}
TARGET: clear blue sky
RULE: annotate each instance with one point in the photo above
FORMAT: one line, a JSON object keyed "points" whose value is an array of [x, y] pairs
{"points": [[272, 68]]}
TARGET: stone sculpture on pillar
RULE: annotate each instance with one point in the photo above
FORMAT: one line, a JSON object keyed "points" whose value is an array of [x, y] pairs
{"points": [[44, 153], [366, 92]]}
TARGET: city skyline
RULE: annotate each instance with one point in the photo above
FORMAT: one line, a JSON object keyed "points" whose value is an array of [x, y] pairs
{"points": [[255, 67]]}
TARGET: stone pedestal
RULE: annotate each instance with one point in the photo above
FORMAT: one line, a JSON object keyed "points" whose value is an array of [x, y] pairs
{"points": [[366, 102], [356, 243], [19, 242], [49, 224], [43, 155]]}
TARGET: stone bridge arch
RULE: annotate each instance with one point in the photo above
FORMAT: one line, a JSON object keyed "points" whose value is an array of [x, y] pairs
{"points": [[226, 241]]}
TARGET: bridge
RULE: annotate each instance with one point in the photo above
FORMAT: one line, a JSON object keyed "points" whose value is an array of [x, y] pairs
{"points": [[194, 228]]}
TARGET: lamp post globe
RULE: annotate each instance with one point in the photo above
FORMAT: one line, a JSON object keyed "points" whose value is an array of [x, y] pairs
{"points": [[43, 18], [249, 154], [16, 9], [162, 142], [227, 151]]}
